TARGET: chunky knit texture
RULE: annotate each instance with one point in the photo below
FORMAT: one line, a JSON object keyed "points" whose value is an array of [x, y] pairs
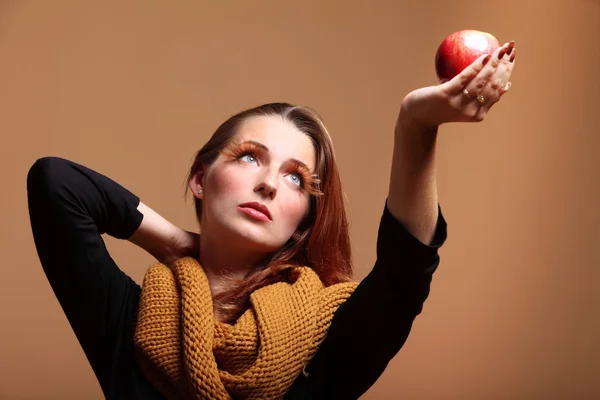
{"points": [[187, 354]]}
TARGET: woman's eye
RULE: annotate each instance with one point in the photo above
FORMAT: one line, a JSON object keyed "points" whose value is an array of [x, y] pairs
{"points": [[296, 179], [248, 157]]}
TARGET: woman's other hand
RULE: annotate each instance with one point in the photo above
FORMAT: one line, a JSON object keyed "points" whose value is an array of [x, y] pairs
{"points": [[163, 239], [468, 97], [185, 244]]}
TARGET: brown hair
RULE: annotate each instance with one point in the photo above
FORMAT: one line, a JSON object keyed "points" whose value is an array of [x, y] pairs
{"points": [[324, 244]]}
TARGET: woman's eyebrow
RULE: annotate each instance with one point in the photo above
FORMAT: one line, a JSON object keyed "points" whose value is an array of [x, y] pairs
{"points": [[266, 149]]}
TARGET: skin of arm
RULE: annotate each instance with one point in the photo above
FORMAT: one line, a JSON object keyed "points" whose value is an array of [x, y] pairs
{"points": [[412, 196]]}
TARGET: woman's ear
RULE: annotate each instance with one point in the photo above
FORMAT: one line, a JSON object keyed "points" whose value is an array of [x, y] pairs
{"points": [[196, 184]]}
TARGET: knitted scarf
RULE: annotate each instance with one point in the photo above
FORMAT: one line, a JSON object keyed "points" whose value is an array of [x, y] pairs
{"points": [[186, 353]]}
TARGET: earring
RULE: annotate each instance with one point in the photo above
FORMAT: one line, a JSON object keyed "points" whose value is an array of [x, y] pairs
{"points": [[199, 190]]}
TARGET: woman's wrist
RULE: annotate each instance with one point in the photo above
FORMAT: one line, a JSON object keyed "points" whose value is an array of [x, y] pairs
{"points": [[411, 118], [413, 136]]}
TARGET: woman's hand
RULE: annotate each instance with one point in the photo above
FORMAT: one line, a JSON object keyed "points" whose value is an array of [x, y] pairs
{"points": [[184, 244], [163, 239], [467, 97]]}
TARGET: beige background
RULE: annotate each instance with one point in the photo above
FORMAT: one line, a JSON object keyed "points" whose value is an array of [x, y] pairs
{"points": [[133, 88]]}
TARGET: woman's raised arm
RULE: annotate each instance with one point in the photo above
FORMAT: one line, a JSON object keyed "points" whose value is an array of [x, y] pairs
{"points": [[468, 97], [369, 329]]}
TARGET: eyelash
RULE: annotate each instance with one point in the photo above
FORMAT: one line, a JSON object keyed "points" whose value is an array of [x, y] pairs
{"points": [[309, 182]]}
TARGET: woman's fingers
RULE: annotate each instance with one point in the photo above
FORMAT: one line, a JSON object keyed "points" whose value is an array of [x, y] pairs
{"points": [[476, 85], [498, 83], [461, 80], [508, 72]]}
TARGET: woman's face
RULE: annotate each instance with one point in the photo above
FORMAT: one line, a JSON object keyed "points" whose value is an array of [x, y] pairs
{"points": [[262, 164]]}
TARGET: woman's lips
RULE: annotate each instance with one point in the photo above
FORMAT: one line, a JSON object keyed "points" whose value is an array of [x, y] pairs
{"points": [[254, 213]]}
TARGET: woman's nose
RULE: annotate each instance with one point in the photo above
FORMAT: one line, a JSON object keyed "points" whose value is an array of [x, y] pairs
{"points": [[267, 187]]}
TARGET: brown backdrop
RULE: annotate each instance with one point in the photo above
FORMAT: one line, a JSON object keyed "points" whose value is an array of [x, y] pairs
{"points": [[133, 88]]}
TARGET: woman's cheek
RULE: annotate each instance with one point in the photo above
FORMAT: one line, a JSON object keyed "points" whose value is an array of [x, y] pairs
{"points": [[226, 180], [300, 210]]}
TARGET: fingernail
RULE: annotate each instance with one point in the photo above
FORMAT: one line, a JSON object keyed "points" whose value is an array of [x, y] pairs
{"points": [[514, 53], [510, 48], [501, 54], [486, 59]]}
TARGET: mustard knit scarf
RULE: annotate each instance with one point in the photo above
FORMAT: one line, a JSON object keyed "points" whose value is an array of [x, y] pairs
{"points": [[187, 354]]}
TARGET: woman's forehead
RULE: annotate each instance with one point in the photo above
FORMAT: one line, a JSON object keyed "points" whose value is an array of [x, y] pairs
{"points": [[281, 138]]}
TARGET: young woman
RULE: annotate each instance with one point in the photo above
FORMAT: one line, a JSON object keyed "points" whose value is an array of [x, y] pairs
{"points": [[261, 304]]}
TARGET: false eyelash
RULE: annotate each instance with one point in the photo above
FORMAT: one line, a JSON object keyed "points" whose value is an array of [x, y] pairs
{"points": [[310, 181], [235, 150]]}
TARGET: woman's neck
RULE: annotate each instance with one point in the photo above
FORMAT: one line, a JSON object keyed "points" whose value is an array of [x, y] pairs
{"points": [[219, 260]]}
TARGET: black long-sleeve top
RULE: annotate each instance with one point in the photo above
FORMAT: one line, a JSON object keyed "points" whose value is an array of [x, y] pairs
{"points": [[71, 206]]}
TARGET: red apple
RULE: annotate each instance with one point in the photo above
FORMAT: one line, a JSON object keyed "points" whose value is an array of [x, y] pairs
{"points": [[460, 49]]}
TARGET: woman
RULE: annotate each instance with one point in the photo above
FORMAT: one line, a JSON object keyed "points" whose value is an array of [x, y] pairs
{"points": [[261, 304]]}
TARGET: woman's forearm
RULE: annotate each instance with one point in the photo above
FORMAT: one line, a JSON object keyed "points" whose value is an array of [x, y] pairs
{"points": [[157, 236], [412, 196]]}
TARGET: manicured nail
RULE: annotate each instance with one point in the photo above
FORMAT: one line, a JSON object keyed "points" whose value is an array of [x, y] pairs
{"points": [[486, 59], [510, 47], [501, 54], [514, 53]]}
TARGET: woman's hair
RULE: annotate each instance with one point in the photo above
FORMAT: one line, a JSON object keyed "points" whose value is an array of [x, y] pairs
{"points": [[324, 244]]}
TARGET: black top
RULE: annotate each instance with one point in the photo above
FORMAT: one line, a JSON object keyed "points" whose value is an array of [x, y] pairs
{"points": [[71, 206]]}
